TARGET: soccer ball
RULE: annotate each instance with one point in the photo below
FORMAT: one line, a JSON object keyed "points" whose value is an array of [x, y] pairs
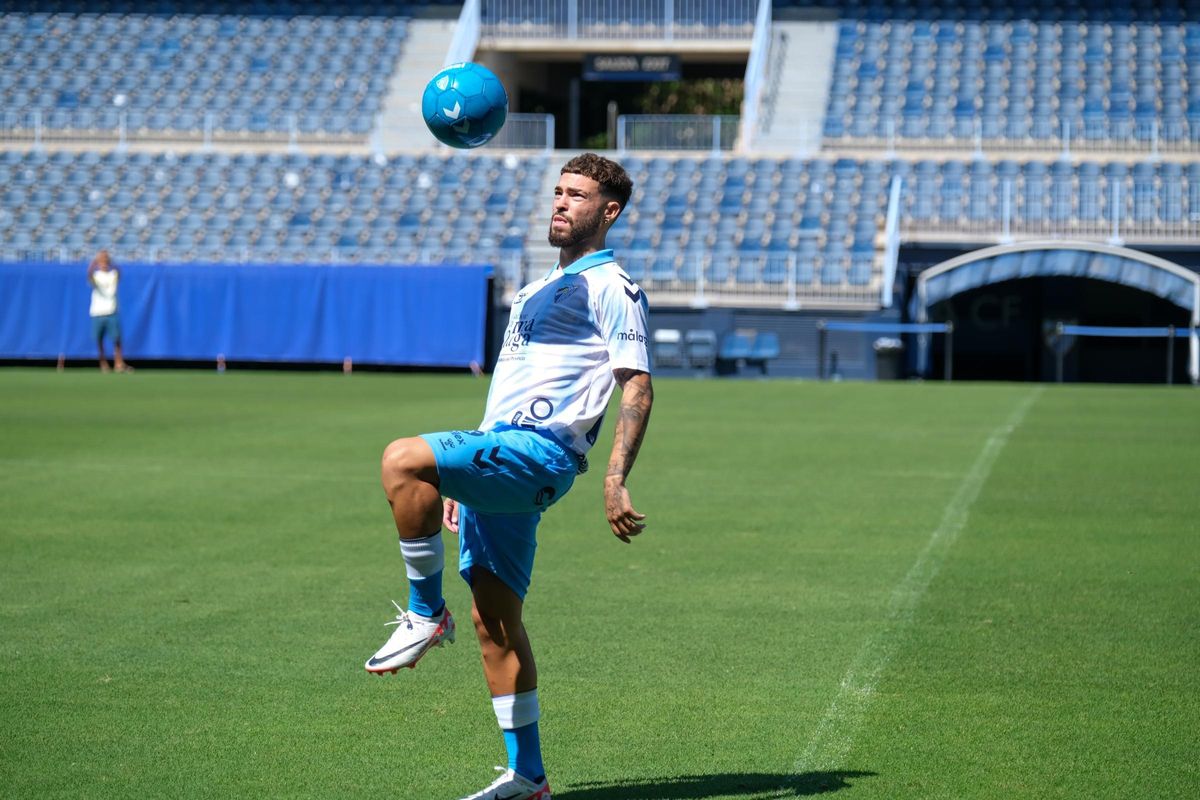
{"points": [[464, 105]]}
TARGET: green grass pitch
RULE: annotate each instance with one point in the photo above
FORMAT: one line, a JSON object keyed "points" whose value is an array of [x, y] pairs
{"points": [[869, 590]]}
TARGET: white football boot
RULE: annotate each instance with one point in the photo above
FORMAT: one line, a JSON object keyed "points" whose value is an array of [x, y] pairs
{"points": [[414, 637], [511, 786]]}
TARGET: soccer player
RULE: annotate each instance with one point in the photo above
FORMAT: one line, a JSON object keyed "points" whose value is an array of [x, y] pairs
{"points": [[572, 337]]}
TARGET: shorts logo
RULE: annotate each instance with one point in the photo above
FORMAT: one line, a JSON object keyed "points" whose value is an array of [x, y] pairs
{"points": [[483, 459], [450, 443], [544, 495]]}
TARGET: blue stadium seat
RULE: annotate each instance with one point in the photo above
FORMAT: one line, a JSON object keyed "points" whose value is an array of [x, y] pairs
{"points": [[736, 346]]}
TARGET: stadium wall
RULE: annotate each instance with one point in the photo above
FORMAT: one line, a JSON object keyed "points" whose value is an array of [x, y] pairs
{"points": [[415, 316]]}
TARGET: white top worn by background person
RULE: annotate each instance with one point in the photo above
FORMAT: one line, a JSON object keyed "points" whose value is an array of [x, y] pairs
{"points": [[104, 293]]}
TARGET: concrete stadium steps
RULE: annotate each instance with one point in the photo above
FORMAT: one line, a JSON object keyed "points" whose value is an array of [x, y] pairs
{"points": [[796, 91], [399, 127]]}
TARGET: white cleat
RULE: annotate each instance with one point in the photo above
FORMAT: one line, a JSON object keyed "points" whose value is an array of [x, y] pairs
{"points": [[414, 637], [511, 786]]}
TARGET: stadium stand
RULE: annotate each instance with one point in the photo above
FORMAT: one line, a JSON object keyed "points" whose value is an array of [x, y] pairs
{"points": [[189, 72], [741, 225], [285, 208], [1005, 80], [1020, 81], [1155, 11]]}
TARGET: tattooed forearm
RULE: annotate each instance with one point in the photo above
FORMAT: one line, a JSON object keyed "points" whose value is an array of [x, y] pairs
{"points": [[637, 396]]}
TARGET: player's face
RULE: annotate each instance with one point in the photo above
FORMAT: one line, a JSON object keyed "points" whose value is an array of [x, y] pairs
{"points": [[579, 210]]}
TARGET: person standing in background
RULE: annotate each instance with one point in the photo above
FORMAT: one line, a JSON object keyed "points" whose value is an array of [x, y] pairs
{"points": [[106, 320]]}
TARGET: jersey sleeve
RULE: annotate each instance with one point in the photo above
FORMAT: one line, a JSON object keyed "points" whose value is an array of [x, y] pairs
{"points": [[622, 317]]}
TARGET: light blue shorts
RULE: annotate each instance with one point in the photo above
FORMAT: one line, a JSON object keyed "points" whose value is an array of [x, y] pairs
{"points": [[503, 480]]}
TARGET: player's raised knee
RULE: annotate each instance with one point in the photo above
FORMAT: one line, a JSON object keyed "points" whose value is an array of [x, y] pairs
{"points": [[406, 460]]}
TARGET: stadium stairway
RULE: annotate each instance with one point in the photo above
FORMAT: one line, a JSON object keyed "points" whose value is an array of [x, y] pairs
{"points": [[796, 91], [399, 127]]}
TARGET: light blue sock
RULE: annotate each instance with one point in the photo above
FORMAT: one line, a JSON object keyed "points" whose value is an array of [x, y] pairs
{"points": [[425, 595], [424, 560], [525, 752]]}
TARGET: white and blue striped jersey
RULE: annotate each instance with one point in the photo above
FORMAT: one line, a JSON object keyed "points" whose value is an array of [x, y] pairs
{"points": [[566, 334]]}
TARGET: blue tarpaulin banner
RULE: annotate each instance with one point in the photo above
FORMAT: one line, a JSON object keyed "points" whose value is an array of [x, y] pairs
{"points": [[432, 316]]}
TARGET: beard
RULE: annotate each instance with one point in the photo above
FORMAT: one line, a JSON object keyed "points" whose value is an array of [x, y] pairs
{"points": [[577, 231]]}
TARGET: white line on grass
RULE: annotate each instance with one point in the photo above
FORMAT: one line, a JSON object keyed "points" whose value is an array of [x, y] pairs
{"points": [[831, 741]]}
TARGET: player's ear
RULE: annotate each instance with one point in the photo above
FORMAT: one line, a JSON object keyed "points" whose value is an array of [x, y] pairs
{"points": [[612, 210]]}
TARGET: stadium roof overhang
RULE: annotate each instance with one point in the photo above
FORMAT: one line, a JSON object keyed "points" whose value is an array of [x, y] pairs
{"points": [[1100, 262]]}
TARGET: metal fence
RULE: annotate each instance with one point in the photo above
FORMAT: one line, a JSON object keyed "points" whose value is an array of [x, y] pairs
{"points": [[764, 280], [761, 280], [618, 19], [677, 132], [983, 136], [113, 128], [1116, 215], [510, 265], [524, 132]]}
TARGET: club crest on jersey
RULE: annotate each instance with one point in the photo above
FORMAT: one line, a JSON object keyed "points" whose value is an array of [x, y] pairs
{"points": [[565, 291]]}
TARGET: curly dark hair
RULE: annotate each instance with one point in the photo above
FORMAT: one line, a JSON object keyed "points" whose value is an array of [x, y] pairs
{"points": [[614, 181]]}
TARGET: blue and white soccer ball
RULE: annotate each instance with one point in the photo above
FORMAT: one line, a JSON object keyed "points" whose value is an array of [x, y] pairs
{"points": [[464, 105]]}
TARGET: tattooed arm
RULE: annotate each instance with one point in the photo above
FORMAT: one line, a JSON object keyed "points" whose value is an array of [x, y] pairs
{"points": [[637, 395]]}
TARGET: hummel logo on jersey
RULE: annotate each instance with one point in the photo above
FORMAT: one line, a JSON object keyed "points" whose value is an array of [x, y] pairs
{"points": [[635, 294]]}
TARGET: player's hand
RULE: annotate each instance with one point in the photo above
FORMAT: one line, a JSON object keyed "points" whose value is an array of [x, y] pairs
{"points": [[450, 515], [623, 518]]}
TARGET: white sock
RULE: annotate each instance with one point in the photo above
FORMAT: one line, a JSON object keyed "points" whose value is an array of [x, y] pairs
{"points": [[516, 710]]}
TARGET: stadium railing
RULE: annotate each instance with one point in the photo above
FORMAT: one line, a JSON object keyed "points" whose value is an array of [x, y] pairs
{"points": [[83, 127], [1062, 342], [525, 132], [717, 132], [756, 279], [921, 329], [1102, 135], [1118, 226], [756, 71], [466, 34], [709, 20], [891, 236]]}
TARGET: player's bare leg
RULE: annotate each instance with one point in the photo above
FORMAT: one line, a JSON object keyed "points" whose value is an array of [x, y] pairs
{"points": [[410, 481], [103, 359], [512, 679], [507, 656], [119, 359]]}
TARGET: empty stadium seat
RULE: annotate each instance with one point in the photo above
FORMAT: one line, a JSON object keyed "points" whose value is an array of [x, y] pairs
{"points": [[183, 72], [1016, 80]]}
